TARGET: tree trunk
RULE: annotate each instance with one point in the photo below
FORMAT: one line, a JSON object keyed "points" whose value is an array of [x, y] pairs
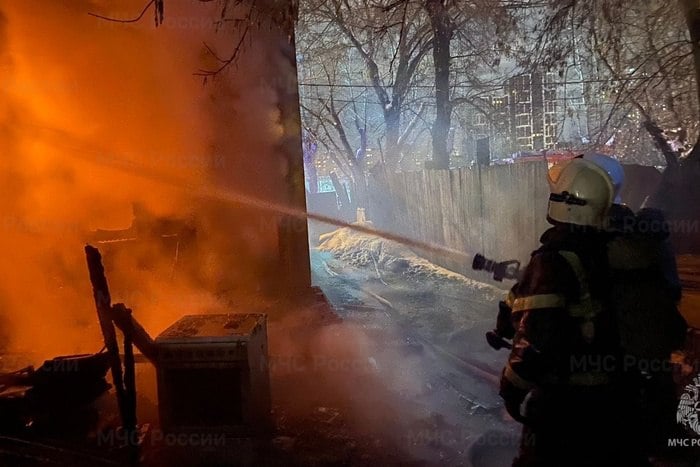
{"points": [[293, 231], [342, 194], [442, 36], [691, 12], [392, 120], [679, 191], [360, 195]]}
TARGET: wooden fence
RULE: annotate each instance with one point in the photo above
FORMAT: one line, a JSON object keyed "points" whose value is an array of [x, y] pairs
{"points": [[499, 211]]}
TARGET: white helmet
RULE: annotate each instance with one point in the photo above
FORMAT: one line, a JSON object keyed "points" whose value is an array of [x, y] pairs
{"points": [[614, 169], [581, 194]]}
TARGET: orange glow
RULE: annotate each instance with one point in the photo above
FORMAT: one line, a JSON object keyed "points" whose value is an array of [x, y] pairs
{"points": [[82, 100]]}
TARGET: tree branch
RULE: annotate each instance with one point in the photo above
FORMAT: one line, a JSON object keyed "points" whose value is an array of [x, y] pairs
{"points": [[158, 12]]}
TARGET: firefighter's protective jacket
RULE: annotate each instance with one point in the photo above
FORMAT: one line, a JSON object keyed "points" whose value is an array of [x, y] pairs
{"points": [[565, 378], [565, 331]]}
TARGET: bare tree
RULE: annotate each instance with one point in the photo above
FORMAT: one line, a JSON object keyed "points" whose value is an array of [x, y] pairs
{"points": [[644, 58], [637, 62], [478, 30], [391, 45]]}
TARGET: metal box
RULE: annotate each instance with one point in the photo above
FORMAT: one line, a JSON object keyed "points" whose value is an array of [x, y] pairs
{"points": [[213, 375]]}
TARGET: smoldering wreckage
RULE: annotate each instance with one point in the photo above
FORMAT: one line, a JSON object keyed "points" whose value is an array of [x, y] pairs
{"points": [[213, 379], [213, 373]]}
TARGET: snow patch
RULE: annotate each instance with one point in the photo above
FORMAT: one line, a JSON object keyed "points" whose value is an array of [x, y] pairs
{"points": [[366, 250]]}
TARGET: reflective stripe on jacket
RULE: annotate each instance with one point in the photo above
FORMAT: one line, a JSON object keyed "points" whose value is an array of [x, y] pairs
{"points": [[562, 333]]}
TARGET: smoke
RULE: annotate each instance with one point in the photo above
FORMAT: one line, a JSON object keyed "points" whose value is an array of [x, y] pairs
{"points": [[99, 116], [87, 107]]}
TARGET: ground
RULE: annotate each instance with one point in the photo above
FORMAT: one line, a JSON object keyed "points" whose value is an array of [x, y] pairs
{"points": [[425, 327]]}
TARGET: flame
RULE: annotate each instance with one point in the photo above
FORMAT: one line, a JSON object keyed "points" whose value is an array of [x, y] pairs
{"points": [[81, 100]]}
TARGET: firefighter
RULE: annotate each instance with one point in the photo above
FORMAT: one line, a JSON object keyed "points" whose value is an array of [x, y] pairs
{"points": [[563, 380], [645, 291]]}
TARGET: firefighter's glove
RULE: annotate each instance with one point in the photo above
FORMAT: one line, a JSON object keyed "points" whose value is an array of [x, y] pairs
{"points": [[513, 398]]}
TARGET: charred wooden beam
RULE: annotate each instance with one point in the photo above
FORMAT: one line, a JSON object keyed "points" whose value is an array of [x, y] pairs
{"points": [[103, 304]]}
